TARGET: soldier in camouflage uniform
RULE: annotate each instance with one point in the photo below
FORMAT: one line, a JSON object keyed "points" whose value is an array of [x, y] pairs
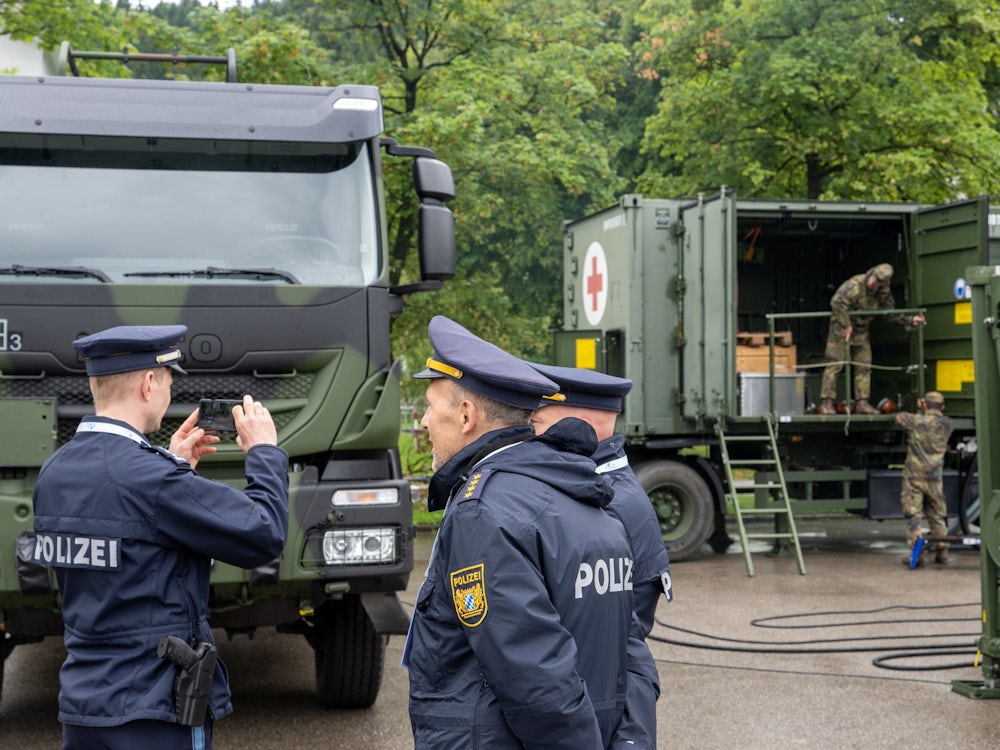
{"points": [[849, 335], [922, 473]]}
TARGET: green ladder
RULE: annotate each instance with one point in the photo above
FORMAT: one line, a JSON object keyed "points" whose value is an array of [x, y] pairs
{"points": [[781, 509]]}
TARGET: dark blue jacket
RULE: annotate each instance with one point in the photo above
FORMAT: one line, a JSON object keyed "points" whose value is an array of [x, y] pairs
{"points": [[519, 633], [632, 507], [131, 531]]}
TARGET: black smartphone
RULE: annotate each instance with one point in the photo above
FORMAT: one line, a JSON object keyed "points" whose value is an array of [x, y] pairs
{"points": [[217, 414]]}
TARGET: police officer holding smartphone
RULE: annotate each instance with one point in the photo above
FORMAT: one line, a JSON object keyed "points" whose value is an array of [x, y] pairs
{"points": [[131, 530]]}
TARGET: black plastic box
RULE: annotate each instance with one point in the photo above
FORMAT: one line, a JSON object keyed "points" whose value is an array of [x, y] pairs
{"points": [[884, 486]]}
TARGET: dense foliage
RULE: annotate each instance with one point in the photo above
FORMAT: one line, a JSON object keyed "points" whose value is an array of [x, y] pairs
{"points": [[544, 120], [835, 99]]}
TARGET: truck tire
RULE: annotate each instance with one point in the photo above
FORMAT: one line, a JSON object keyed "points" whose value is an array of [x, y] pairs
{"points": [[349, 655], [968, 504], [683, 504]]}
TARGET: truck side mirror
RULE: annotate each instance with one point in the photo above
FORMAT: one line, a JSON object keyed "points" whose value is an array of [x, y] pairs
{"points": [[432, 179], [434, 184], [436, 233]]}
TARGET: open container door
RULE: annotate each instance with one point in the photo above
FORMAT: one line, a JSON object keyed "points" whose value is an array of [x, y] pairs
{"points": [[707, 276], [946, 238]]}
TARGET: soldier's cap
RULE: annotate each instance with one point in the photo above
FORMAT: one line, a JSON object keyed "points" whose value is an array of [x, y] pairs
{"points": [[482, 367], [882, 272], [128, 348], [585, 388], [934, 397]]}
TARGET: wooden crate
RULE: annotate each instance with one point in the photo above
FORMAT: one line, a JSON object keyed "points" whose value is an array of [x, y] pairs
{"points": [[756, 338], [757, 359]]}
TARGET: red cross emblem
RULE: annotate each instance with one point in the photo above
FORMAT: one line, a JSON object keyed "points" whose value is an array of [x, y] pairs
{"points": [[595, 286]]}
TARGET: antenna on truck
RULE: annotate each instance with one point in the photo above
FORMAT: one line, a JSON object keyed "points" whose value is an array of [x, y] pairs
{"points": [[68, 57]]}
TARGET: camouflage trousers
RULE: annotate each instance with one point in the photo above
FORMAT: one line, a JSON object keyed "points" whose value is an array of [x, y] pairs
{"points": [[859, 351], [916, 496]]}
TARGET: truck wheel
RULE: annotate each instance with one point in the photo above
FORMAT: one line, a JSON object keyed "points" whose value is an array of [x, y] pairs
{"points": [[683, 504], [968, 504], [349, 655]]}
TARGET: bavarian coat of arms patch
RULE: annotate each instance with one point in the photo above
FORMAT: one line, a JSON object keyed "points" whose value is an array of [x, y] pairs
{"points": [[468, 591]]}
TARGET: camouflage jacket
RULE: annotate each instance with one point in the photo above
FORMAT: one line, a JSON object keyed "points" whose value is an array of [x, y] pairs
{"points": [[928, 441], [854, 296]]}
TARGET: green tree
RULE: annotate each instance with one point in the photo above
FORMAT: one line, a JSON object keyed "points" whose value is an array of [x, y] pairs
{"points": [[848, 99], [518, 109], [84, 23], [52, 23], [269, 48]]}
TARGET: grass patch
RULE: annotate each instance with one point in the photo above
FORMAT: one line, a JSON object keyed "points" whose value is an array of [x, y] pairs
{"points": [[414, 454], [426, 518]]}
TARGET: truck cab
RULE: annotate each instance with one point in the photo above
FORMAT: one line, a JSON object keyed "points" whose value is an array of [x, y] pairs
{"points": [[254, 215]]}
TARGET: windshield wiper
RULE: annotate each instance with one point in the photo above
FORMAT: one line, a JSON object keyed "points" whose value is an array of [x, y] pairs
{"points": [[211, 272], [94, 273]]}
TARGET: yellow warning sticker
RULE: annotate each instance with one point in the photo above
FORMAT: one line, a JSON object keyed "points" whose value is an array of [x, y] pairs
{"points": [[586, 353], [963, 313], [951, 373]]}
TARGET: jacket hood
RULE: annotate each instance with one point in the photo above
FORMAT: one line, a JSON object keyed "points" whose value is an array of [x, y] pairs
{"points": [[559, 457]]}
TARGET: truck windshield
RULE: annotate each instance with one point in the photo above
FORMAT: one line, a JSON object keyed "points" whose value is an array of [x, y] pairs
{"points": [[185, 211]]}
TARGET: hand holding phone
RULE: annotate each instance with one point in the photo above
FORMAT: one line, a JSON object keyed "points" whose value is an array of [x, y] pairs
{"points": [[217, 414]]}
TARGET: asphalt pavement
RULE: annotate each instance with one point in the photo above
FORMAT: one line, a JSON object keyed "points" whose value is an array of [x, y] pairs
{"points": [[779, 660], [853, 654]]}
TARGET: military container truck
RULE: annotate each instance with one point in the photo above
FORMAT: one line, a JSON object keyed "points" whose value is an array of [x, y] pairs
{"points": [[718, 310], [255, 215]]}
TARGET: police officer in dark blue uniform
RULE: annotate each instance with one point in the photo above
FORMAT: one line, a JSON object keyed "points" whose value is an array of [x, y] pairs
{"points": [[597, 399], [131, 529], [520, 630]]}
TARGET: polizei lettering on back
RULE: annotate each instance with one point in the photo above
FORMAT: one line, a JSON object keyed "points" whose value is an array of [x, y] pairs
{"points": [[73, 551], [611, 575]]}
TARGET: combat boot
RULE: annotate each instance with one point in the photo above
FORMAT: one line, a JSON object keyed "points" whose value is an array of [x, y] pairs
{"points": [[941, 556], [861, 406], [826, 407]]}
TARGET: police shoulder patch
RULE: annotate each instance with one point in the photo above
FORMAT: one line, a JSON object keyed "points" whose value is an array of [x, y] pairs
{"points": [[468, 591]]}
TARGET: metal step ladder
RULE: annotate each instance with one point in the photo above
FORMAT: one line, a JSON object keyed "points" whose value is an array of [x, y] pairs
{"points": [[784, 521]]}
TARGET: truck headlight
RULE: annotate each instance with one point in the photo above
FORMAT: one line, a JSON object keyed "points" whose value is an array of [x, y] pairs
{"points": [[359, 546], [376, 496]]}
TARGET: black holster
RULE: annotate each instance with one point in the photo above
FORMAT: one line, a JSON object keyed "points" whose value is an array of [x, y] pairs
{"points": [[193, 679]]}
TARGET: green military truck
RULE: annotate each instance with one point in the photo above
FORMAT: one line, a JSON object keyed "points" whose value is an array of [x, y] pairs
{"points": [[254, 215], [718, 308]]}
